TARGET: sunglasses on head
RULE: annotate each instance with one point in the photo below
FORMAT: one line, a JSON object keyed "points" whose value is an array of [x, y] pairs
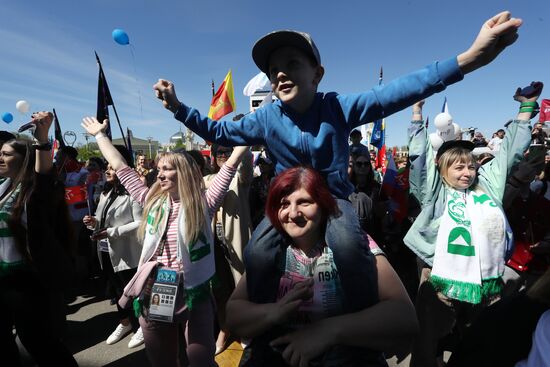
{"points": [[223, 153]]}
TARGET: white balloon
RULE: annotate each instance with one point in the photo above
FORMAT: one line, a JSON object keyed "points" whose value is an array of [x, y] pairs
{"points": [[435, 140], [443, 121], [447, 134], [23, 106]]}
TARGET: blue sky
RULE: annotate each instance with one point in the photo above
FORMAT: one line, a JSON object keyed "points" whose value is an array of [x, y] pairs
{"points": [[47, 53]]}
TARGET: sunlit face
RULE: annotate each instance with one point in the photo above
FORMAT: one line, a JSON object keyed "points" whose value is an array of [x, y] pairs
{"points": [[294, 79], [110, 174], [10, 161], [141, 160], [300, 216], [167, 177], [222, 154], [461, 175]]}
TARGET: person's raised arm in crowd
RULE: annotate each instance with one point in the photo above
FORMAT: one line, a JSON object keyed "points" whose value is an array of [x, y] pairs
{"points": [[109, 152], [514, 144], [42, 121]]}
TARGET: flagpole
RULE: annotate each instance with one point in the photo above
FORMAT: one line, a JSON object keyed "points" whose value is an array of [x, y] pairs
{"points": [[114, 108]]}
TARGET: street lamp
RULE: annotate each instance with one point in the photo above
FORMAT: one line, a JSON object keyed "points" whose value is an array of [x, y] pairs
{"points": [[87, 137], [149, 139]]}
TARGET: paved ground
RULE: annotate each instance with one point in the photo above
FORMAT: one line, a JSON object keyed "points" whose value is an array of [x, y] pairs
{"points": [[90, 320], [89, 323]]}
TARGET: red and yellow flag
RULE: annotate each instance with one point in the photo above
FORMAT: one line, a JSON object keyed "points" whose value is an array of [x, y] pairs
{"points": [[224, 100]]}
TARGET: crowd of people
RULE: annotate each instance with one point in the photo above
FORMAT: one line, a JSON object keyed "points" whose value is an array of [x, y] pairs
{"points": [[310, 261]]}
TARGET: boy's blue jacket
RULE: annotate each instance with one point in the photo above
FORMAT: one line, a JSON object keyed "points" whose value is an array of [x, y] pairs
{"points": [[319, 137]]}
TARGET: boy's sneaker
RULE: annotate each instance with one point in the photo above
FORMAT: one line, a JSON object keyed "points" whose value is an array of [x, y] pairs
{"points": [[120, 332], [136, 340]]}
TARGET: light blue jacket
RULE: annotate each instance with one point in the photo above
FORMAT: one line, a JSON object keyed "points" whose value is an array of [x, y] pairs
{"points": [[319, 137], [427, 187]]}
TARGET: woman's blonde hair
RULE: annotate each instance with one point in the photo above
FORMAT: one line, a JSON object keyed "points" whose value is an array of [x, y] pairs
{"points": [[190, 189], [456, 154]]}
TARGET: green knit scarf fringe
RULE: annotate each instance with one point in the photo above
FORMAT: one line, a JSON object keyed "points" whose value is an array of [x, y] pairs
{"points": [[199, 293], [9, 268], [467, 292], [138, 306]]}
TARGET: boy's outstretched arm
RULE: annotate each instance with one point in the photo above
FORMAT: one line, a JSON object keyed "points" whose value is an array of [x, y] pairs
{"points": [[495, 35], [166, 92]]}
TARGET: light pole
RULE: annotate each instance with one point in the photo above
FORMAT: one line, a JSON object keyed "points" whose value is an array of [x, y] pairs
{"points": [[87, 137], [149, 139]]}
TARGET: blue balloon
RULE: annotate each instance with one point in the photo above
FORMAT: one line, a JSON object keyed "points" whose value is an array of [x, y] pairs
{"points": [[7, 117], [121, 37]]}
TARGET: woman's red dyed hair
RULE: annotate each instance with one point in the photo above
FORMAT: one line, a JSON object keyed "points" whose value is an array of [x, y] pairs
{"points": [[294, 179]]}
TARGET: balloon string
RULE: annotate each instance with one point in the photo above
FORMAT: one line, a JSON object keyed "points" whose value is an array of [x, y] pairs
{"points": [[137, 81]]}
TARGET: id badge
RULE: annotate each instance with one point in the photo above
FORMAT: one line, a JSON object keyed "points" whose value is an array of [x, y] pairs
{"points": [[163, 295], [103, 245]]}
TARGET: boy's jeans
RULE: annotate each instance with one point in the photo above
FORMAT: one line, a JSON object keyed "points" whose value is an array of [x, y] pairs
{"points": [[265, 253]]}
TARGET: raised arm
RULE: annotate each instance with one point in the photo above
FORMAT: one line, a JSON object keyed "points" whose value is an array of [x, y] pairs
{"points": [[495, 35], [517, 139], [249, 130], [42, 120], [220, 184], [109, 152]]}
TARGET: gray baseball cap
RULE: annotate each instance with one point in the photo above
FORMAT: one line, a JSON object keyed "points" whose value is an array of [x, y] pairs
{"points": [[264, 47]]}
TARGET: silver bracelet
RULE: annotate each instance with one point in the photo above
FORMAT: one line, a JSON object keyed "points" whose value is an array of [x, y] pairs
{"points": [[101, 135]]}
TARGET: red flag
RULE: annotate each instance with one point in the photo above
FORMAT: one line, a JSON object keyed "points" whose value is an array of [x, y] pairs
{"points": [[76, 194], [224, 100], [381, 158], [544, 110], [395, 187]]}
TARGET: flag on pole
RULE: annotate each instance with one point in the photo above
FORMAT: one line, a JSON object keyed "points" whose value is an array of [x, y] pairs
{"points": [[377, 138], [104, 99], [57, 128], [224, 100], [128, 136], [76, 194], [381, 158], [395, 187], [445, 107]]}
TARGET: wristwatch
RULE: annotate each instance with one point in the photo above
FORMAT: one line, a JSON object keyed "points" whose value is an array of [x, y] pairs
{"points": [[42, 146]]}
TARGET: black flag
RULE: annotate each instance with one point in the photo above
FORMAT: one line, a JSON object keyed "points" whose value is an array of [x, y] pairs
{"points": [[129, 144], [57, 132], [104, 99]]}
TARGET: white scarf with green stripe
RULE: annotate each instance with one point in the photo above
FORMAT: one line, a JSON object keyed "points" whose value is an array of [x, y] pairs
{"points": [[9, 254], [196, 258], [470, 247]]}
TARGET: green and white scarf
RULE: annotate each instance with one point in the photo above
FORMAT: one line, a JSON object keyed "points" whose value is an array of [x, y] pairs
{"points": [[10, 257], [470, 247], [196, 258]]}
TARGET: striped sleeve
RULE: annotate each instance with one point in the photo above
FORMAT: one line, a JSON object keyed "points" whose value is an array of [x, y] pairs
{"points": [[131, 181], [218, 188]]}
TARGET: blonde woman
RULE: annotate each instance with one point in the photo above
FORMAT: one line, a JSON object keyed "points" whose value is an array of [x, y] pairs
{"points": [[462, 234], [176, 232]]}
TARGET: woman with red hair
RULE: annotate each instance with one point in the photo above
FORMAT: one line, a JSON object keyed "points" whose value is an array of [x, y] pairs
{"points": [[302, 318]]}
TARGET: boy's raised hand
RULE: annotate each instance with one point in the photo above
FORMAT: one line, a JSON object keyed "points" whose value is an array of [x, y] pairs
{"points": [[495, 35], [165, 91]]}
